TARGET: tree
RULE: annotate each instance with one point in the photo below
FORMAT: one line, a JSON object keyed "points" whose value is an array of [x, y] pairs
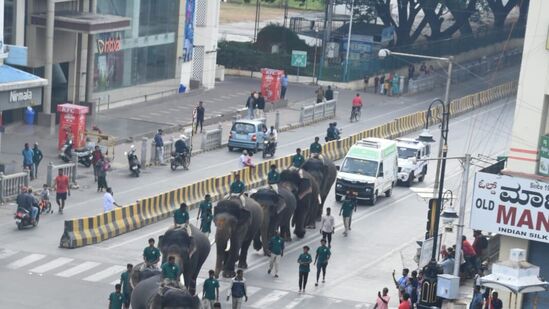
{"points": [[407, 10], [461, 11], [501, 11]]}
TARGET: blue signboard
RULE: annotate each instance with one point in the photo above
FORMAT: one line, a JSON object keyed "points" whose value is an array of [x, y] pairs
{"points": [[189, 31]]}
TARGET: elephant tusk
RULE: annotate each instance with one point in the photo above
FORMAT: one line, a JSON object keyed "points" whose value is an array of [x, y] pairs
{"points": [[228, 246], [319, 199]]}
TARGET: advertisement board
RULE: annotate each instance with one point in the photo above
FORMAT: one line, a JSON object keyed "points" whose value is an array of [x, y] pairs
{"points": [[270, 84], [72, 124], [543, 168], [19, 98], [511, 206], [189, 31]]}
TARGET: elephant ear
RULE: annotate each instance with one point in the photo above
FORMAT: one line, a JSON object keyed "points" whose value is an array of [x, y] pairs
{"points": [[305, 187], [243, 216], [192, 248], [280, 204]]}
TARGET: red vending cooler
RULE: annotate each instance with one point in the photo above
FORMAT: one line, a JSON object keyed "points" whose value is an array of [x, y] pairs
{"points": [[72, 120], [270, 84]]}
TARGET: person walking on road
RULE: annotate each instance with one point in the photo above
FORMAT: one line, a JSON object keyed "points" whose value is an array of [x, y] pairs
{"points": [[250, 104], [36, 159], [276, 246], [315, 149], [204, 207], [108, 201], [206, 222], [238, 290], [304, 260], [347, 208], [319, 94], [327, 226], [126, 286], [260, 106], [116, 298], [298, 159], [329, 94], [382, 301], [62, 190], [284, 86], [28, 163], [151, 255], [210, 292], [322, 256], [200, 110], [159, 147], [102, 168], [96, 156]]}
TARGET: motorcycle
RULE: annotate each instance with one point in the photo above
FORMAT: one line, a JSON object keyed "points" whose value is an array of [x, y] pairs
{"points": [[45, 206], [179, 159], [337, 136], [133, 162], [84, 156], [23, 218], [269, 148]]}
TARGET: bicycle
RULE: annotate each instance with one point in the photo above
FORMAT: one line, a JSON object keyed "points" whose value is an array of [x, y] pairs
{"points": [[355, 114]]}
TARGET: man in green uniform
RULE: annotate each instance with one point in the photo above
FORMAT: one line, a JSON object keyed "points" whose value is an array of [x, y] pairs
{"points": [[237, 188], [181, 215], [170, 272], [276, 246], [211, 290], [151, 254], [298, 159], [116, 299], [126, 286], [206, 223], [321, 260], [347, 208], [274, 176], [315, 149], [304, 260], [204, 207]]}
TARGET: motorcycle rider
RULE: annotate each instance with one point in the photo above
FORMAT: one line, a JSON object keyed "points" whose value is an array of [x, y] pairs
{"points": [[26, 201], [181, 148], [332, 133], [132, 157]]}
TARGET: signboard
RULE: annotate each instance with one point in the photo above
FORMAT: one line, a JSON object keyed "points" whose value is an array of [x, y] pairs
{"points": [[426, 252], [511, 206], [107, 45], [270, 84], [299, 58], [544, 156], [19, 98], [188, 43]]}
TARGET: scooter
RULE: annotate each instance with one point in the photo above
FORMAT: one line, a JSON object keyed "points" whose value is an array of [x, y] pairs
{"points": [[23, 218], [133, 162], [269, 148], [178, 159], [84, 156]]}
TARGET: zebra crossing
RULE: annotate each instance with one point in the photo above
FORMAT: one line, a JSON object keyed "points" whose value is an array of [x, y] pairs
{"points": [[109, 274]]}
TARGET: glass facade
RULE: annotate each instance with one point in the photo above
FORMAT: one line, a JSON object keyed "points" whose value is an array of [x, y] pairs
{"points": [[142, 54], [9, 13]]}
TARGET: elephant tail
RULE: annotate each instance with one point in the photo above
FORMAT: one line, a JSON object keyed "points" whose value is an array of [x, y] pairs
{"points": [[257, 242]]}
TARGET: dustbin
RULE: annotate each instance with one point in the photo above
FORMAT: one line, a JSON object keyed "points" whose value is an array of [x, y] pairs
{"points": [[29, 115]]}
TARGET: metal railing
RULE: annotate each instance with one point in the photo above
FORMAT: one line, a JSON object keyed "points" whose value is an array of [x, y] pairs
{"points": [[10, 185], [168, 149]]}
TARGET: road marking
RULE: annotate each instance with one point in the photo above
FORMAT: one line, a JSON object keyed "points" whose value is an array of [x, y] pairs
{"points": [[29, 259], [251, 290], [51, 265], [115, 282], [77, 269], [297, 301], [105, 273], [6, 253], [269, 299]]}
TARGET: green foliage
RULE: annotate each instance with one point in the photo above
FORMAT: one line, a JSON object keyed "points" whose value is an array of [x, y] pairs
{"points": [[244, 56], [285, 38]]}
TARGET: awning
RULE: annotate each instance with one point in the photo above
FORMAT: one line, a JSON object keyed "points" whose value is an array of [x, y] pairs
{"points": [[12, 79], [83, 22]]}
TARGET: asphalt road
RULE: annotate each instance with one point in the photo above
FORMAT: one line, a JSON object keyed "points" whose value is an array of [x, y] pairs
{"points": [[382, 239]]}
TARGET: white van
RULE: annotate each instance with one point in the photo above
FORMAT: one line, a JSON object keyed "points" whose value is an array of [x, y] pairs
{"points": [[412, 163], [369, 169]]}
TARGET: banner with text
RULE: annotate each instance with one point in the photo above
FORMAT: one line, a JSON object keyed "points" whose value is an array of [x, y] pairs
{"points": [[511, 206]]}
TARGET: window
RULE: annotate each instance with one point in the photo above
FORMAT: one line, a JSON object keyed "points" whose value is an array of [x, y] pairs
{"points": [[243, 128], [359, 166], [155, 17], [405, 153], [9, 22]]}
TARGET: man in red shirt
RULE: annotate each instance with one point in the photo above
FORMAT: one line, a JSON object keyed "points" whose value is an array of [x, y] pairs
{"points": [[357, 103], [62, 189], [405, 302], [469, 253]]}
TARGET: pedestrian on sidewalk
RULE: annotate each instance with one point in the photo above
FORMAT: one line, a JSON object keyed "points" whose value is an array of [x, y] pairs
{"points": [[200, 110], [250, 104], [304, 260], [283, 86], [329, 94], [276, 246], [382, 84], [347, 208], [159, 147], [469, 254], [366, 83], [327, 226], [412, 289], [315, 149], [204, 207], [320, 95], [322, 256], [260, 106], [210, 291], [62, 190], [238, 290], [402, 282], [36, 159], [102, 168], [411, 71], [108, 201], [448, 263], [28, 162], [480, 244], [96, 156], [126, 286], [298, 159], [478, 300], [376, 84], [382, 301], [405, 302], [116, 298]]}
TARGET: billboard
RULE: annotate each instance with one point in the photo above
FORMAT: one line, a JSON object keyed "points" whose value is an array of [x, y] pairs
{"points": [[189, 31], [511, 206]]}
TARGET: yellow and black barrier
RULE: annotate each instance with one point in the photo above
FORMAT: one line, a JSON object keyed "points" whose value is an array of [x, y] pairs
{"points": [[80, 232]]}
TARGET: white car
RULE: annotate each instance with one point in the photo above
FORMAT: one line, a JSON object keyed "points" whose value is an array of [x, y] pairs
{"points": [[411, 160]]}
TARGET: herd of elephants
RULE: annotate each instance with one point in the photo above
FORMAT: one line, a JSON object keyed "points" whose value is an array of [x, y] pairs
{"points": [[297, 201]]}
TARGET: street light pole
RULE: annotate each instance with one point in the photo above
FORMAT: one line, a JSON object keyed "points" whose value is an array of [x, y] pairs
{"points": [[462, 205], [314, 58], [349, 41]]}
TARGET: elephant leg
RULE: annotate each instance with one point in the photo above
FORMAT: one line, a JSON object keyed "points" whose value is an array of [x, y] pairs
{"points": [[257, 242], [244, 254], [232, 256]]}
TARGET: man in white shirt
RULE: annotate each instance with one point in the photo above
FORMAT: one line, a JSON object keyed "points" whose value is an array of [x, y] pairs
{"points": [[327, 226], [108, 201]]}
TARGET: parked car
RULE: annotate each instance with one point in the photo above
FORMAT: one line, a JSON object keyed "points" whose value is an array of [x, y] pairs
{"points": [[247, 134]]}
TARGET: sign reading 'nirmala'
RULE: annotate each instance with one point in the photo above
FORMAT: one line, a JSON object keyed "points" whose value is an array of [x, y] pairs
{"points": [[512, 206]]}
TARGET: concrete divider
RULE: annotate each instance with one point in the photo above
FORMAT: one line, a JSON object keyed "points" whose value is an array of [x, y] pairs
{"points": [[211, 139], [90, 230], [10, 185], [319, 111]]}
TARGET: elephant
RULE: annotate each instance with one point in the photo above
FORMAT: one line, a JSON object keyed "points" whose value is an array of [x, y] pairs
{"points": [[278, 208], [148, 294], [190, 252], [140, 273], [325, 173], [305, 189], [236, 228]]}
